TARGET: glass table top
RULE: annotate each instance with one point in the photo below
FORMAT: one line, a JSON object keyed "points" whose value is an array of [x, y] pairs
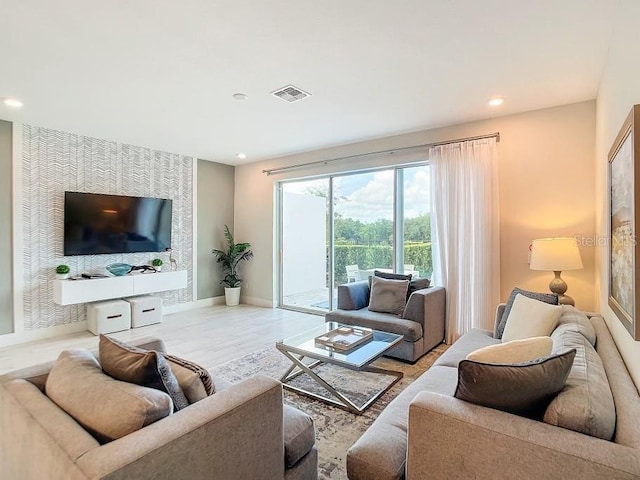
{"points": [[359, 356]]}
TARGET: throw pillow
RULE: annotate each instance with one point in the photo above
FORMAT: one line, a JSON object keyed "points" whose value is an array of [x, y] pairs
{"points": [[524, 389], [107, 408], [391, 276], [530, 318], [550, 298], [135, 365], [414, 285], [516, 351], [194, 380], [388, 296]]}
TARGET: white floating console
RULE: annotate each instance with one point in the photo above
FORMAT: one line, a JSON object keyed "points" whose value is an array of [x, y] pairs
{"points": [[70, 292]]}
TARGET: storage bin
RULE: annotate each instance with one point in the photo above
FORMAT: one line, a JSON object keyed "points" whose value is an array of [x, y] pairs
{"points": [[145, 310], [108, 316]]}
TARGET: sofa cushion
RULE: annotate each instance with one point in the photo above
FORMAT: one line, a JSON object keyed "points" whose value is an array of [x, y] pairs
{"points": [[550, 298], [530, 318], [585, 404], [381, 452], [516, 351], [135, 365], [388, 296], [194, 380], [574, 320], [105, 407], [385, 322], [299, 435], [469, 342], [524, 389]]}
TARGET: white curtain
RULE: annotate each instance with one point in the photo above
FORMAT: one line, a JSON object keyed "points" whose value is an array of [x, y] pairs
{"points": [[465, 222]]}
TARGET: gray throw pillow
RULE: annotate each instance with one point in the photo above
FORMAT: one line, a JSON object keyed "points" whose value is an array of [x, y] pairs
{"points": [[550, 298], [388, 296], [414, 285], [135, 365], [523, 389]]}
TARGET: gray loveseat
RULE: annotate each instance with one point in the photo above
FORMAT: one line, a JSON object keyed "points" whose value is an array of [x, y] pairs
{"points": [[427, 433], [421, 323], [240, 432]]}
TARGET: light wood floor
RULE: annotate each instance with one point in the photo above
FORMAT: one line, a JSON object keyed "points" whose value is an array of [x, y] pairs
{"points": [[208, 336]]}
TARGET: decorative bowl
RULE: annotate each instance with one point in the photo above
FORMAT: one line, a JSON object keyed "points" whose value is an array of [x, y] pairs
{"points": [[118, 269]]}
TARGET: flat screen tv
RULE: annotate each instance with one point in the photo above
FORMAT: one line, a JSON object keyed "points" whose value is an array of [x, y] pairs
{"points": [[99, 224]]}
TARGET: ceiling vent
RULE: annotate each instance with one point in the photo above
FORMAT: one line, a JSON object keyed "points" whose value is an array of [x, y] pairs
{"points": [[290, 94]]}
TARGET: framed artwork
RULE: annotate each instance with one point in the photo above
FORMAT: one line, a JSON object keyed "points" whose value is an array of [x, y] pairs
{"points": [[624, 213]]}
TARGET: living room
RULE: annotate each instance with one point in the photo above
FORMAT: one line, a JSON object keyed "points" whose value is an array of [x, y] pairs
{"points": [[552, 156]]}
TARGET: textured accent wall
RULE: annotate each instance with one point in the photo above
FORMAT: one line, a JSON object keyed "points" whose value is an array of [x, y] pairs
{"points": [[55, 162]]}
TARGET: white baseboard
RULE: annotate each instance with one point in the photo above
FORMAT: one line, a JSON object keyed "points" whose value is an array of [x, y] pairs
{"points": [[183, 307], [60, 330], [258, 302], [41, 333]]}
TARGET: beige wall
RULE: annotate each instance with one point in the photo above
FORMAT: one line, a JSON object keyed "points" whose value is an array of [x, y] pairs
{"points": [[6, 252], [546, 189], [619, 91], [214, 211]]}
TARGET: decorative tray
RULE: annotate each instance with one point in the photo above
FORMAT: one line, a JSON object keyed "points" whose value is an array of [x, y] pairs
{"points": [[345, 338]]}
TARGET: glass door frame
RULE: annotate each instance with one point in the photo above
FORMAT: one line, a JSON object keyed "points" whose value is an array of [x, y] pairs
{"points": [[398, 227]]}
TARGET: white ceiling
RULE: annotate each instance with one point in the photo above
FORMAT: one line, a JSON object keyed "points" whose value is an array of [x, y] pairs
{"points": [[161, 73]]}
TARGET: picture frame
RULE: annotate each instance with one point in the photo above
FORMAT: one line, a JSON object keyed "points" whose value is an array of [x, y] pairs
{"points": [[624, 220]]}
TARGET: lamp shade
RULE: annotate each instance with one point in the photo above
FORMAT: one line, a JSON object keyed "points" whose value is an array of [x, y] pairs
{"points": [[555, 254]]}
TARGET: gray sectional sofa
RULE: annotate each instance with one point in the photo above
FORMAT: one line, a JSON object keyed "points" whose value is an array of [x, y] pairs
{"points": [[427, 433], [421, 323], [240, 432]]}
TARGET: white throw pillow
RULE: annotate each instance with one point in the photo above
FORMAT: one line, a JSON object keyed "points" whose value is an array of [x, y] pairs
{"points": [[516, 351], [530, 318]]}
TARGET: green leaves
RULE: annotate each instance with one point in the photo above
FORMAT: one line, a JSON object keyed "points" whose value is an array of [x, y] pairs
{"points": [[229, 260]]}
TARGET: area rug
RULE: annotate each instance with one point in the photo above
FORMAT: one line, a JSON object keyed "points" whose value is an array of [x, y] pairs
{"points": [[336, 429]]}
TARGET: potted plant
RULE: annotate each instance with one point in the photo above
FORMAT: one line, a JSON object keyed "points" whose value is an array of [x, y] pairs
{"points": [[157, 264], [230, 260], [62, 272]]}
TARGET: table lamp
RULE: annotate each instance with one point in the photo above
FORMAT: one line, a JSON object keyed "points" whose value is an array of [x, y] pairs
{"points": [[556, 255]]}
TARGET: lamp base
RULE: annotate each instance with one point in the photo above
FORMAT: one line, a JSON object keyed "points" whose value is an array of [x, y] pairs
{"points": [[559, 287]]}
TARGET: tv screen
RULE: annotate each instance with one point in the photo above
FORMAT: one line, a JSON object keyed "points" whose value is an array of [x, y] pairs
{"points": [[99, 224]]}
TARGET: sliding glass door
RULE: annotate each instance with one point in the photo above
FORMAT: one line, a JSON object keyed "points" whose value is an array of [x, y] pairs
{"points": [[340, 228]]}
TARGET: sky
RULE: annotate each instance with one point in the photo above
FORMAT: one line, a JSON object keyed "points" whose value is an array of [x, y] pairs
{"points": [[369, 196]]}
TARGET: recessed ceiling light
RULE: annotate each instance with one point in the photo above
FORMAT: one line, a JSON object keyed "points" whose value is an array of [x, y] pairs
{"points": [[242, 156], [239, 96], [494, 102], [12, 102]]}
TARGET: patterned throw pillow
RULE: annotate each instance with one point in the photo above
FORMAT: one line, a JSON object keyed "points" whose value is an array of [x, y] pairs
{"points": [[195, 381], [550, 298], [523, 389], [135, 365]]}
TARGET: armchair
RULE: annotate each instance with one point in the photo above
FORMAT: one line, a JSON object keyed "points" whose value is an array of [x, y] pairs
{"points": [[421, 322]]}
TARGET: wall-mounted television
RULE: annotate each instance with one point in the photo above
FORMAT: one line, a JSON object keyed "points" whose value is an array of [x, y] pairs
{"points": [[100, 224]]}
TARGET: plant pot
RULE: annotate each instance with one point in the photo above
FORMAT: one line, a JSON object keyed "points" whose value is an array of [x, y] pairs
{"points": [[62, 276], [158, 269], [232, 296]]}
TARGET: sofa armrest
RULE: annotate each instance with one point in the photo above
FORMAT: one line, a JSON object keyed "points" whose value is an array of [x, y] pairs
{"points": [[353, 296], [234, 434], [483, 443]]}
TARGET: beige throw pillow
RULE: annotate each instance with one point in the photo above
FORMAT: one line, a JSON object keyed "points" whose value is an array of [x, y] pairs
{"points": [[516, 351], [530, 318], [105, 407], [388, 296]]}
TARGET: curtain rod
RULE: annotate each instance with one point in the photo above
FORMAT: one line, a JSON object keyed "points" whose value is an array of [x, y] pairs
{"points": [[274, 171]]}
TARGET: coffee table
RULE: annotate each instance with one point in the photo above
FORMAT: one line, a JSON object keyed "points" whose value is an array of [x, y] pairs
{"points": [[359, 358]]}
